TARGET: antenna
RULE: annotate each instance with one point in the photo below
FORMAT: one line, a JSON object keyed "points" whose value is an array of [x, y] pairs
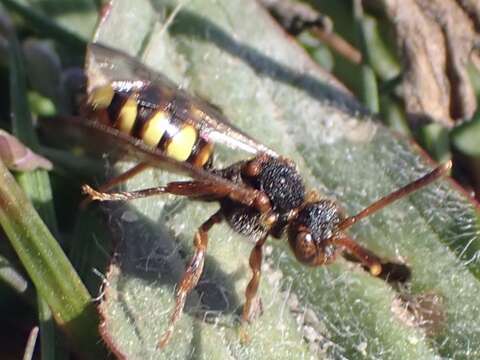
{"points": [[396, 195]]}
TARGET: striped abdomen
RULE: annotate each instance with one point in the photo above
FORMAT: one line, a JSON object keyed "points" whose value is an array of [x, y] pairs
{"points": [[160, 118]]}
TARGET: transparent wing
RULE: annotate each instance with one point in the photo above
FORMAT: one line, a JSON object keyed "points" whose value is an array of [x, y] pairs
{"points": [[105, 65], [103, 138]]}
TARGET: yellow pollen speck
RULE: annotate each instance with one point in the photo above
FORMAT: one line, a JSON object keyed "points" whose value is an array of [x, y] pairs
{"points": [[127, 115], [154, 129], [181, 145], [101, 97]]}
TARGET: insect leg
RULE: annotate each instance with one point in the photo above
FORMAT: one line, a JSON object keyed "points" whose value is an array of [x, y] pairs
{"points": [[137, 169], [199, 189], [130, 173], [365, 256], [255, 262], [122, 195], [185, 188], [191, 275]]}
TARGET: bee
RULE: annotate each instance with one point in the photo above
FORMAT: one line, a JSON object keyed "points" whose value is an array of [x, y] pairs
{"points": [[143, 113]]}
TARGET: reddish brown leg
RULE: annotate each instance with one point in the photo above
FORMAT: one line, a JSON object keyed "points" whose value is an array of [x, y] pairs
{"points": [[212, 190], [130, 173], [137, 169], [191, 275], [185, 188], [365, 256], [255, 262]]}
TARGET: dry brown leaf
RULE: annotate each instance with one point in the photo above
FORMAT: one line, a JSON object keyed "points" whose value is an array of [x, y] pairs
{"points": [[436, 39]]}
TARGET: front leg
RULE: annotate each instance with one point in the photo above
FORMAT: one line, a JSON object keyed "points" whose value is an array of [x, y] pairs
{"points": [[368, 259], [191, 276]]}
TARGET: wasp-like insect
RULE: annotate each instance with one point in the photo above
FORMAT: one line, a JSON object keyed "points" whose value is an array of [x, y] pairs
{"points": [[144, 113]]}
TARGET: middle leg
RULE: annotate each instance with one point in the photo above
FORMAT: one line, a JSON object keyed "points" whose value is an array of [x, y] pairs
{"points": [[137, 169], [182, 188]]}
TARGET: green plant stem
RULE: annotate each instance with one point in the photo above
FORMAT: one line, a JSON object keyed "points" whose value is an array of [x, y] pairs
{"points": [[54, 277]]}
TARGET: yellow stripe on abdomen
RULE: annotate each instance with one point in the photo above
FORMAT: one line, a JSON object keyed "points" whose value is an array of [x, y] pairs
{"points": [[181, 145], [155, 127], [101, 97], [127, 115], [203, 154]]}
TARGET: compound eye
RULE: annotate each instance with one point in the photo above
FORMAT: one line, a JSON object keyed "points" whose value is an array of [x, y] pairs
{"points": [[304, 248]]}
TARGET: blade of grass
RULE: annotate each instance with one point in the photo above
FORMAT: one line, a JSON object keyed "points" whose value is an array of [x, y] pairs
{"points": [[55, 279], [45, 25], [48, 267], [35, 184], [32, 339], [11, 276], [47, 335]]}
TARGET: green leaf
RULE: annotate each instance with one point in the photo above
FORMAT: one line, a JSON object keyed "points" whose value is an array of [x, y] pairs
{"points": [[434, 138], [465, 137], [267, 86], [369, 88], [379, 57]]}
